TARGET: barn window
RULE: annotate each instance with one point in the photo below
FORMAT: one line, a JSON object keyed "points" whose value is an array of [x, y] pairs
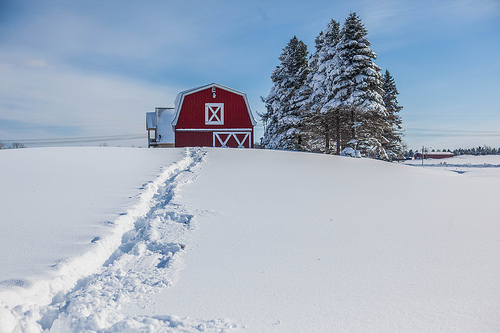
{"points": [[214, 113]]}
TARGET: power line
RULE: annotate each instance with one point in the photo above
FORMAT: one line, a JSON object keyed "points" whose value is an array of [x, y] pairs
{"points": [[81, 139], [429, 132]]}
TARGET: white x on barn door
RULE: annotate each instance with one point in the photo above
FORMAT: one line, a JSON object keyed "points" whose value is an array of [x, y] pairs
{"points": [[214, 113], [242, 139]]}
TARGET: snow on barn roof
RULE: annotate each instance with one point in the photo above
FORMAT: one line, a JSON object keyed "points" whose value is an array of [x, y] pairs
{"points": [[180, 98], [150, 120], [165, 133]]}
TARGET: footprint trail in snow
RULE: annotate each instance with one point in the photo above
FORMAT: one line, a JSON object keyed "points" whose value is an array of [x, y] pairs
{"points": [[148, 259]]}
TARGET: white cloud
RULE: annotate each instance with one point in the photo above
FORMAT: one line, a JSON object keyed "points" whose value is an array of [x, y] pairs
{"points": [[400, 17], [55, 97], [469, 10], [40, 63]]}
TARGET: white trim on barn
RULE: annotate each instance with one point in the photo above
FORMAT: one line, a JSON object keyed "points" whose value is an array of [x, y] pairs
{"points": [[212, 129], [217, 139], [214, 113]]}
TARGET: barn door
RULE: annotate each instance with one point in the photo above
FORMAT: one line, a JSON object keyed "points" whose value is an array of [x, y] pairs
{"points": [[232, 139]]}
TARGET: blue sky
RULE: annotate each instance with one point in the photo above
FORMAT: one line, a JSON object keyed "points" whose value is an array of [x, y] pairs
{"points": [[93, 68]]}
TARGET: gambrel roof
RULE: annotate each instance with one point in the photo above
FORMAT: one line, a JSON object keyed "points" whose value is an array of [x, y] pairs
{"points": [[180, 99]]}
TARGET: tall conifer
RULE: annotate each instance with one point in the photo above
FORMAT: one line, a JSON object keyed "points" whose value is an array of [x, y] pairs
{"points": [[284, 117], [357, 94], [321, 123], [394, 132]]}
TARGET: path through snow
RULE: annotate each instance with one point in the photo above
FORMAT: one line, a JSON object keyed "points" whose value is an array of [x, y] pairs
{"points": [[147, 260]]}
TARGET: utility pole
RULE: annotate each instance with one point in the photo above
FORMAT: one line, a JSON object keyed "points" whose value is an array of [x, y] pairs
{"points": [[423, 155]]}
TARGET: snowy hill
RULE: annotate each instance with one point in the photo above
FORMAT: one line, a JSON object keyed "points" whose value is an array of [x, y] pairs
{"points": [[108, 239]]}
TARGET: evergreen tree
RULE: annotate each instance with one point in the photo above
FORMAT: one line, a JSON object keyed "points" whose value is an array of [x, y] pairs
{"points": [[283, 118], [307, 108], [322, 123], [357, 90], [394, 132], [338, 99]]}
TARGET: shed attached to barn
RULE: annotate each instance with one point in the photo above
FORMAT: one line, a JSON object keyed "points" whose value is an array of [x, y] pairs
{"points": [[159, 127], [210, 116]]}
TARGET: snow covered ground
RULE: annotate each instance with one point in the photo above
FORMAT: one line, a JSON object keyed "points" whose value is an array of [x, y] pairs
{"points": [[463, 164], [109, 239]]}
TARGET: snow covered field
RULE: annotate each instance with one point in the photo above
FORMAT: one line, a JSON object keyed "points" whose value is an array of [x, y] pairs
{"points": [[116, 239], [463, 164]]}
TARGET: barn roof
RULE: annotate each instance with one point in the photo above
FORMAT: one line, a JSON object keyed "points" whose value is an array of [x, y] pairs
{"points": [[150, 120], [180, 98]]}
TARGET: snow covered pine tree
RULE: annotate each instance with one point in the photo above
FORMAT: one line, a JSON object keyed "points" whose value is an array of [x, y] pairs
{"points": [[283, 118], [357, 91], [336, 100], [321, 123], [394, 146]]}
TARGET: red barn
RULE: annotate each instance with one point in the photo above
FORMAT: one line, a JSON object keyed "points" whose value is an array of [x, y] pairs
{"points": [[213, 116], [433, 155]]}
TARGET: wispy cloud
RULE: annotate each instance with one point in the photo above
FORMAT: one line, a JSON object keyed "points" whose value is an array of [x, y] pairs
{"points": [[469, 10], [63, 100], [428, 16], [36, 63]]}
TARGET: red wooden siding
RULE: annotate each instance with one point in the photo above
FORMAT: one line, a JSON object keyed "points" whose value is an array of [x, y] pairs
{"points": [[192, 114], [193, 139], [433, 155]]}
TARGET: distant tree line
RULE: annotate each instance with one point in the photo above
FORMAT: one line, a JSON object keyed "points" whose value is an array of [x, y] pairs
{"points": [[336, 101], [486, 150], [13, 145]]}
